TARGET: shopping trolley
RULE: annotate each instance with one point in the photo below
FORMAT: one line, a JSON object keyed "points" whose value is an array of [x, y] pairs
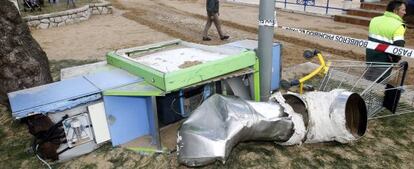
{"points": [[380, 84]]}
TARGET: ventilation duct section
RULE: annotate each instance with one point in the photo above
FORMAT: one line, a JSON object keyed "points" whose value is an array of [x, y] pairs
{"points": [[221, 122]]}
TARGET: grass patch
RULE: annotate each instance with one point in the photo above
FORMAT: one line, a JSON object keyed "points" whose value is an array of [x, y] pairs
{"points": [[89, 166], [2, 134], [57, 65], [104, 148], [118, 161], [301, 162], [15, 145], [338, 159]]}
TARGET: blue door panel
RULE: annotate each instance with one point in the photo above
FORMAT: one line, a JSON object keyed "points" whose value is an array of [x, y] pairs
{"points": [[127, 117]]}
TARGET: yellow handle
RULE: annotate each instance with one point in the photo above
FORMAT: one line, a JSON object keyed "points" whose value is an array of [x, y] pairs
{"points": [[323, 67]]}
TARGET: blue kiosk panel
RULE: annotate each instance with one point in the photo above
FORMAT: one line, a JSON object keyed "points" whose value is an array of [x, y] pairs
{"points": [[128, 117], [276, 67], [112, 79], [51, 97]]}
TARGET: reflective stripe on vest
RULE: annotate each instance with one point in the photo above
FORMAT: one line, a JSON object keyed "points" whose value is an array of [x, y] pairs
{"points": [[381, 38], [398, 38]]}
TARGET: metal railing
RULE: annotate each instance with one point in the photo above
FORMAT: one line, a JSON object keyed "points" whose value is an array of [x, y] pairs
{"points": [[326, 5]]}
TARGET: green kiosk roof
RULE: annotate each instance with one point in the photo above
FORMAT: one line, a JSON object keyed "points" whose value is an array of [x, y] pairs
{"points": [[176, 64]]}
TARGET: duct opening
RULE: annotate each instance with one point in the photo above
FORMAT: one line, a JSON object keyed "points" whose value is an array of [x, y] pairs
{"points": [[298, 106], [356, 115]]}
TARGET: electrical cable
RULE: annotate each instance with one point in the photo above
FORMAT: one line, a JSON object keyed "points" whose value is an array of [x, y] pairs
{"points": [[175, 98], [172, 107], [40, 158], [47, 136]]}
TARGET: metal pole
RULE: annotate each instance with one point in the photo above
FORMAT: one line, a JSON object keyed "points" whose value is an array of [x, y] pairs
{"points": [[156, 139], [265, 51], [327, 7]]}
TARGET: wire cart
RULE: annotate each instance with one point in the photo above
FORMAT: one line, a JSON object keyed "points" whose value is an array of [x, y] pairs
{"points": [[380, 84]]}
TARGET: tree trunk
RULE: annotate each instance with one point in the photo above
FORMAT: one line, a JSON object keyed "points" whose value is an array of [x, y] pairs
{"points": [[23, 64]]}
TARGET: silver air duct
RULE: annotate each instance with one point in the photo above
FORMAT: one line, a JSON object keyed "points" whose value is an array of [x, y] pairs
{"points": [[221, 122]]}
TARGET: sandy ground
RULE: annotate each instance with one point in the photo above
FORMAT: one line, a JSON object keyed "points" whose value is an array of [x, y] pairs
{"points": [[94, 38]]}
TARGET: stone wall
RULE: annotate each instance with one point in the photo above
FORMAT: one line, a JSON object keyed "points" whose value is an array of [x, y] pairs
{"points": [[71, 16]]}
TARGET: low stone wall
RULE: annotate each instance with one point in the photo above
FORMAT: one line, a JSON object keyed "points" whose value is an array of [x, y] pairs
{"points": [[71, 16]]}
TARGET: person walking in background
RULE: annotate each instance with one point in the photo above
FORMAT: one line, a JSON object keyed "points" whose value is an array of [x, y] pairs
{"points": [[212, 16], [386, 29]]}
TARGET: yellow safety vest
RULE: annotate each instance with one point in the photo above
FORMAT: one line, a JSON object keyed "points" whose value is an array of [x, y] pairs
{"points": [[387, 28]]}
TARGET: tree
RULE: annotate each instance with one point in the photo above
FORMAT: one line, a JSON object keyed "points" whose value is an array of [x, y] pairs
{"points": [[23, 63]]}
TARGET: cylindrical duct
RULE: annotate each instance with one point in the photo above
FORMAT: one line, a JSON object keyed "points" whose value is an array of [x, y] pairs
{"points": [[328, 116], [335, 116]]}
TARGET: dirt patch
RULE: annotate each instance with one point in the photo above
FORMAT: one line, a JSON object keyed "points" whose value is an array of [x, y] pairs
{"points": [[189, 64], [294, 19], [409, 37], [92, 39]]}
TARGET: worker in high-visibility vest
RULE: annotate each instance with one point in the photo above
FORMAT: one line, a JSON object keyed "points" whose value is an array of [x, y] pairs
{"points": [[386, 29]]}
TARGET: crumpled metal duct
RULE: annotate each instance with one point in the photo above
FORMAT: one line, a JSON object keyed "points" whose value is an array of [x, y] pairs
{"points": [[221, 122], [337, 115]]}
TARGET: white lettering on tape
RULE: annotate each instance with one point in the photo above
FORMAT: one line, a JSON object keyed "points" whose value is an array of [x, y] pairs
{"points": [[402, 51], [353, 41]]}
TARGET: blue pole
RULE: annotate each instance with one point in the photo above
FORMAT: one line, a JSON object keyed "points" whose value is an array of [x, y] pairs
{"points": [[182, 109]]}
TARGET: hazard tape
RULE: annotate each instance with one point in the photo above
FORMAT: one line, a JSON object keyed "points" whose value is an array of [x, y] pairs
{"points": [[391, 49]]}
